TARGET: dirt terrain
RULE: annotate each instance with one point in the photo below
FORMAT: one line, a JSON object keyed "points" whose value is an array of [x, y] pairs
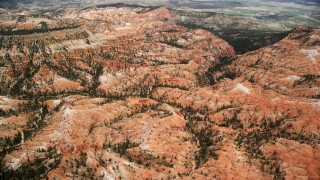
{"points": [[125, 93]]}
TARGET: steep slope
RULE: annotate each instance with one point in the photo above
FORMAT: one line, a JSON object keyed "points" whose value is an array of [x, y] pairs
{"points": [[87, 83], [128, 94], [243, 33]]}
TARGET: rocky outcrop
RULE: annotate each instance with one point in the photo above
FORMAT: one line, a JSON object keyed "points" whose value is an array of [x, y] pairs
{"points": [[129, 94]]}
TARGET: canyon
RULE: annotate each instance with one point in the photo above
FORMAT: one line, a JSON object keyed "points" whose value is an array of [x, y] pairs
{"points": [[126, 92]]}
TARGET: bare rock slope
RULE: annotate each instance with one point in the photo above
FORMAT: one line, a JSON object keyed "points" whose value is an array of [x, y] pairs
{"points": [[124, 93]]}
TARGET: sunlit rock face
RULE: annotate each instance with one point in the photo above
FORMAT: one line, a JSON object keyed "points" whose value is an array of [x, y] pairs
{"points": [[125, 93]]}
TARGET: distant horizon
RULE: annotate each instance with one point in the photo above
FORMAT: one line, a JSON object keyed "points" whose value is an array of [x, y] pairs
{"points": [[178, 3], [285, 13]]}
